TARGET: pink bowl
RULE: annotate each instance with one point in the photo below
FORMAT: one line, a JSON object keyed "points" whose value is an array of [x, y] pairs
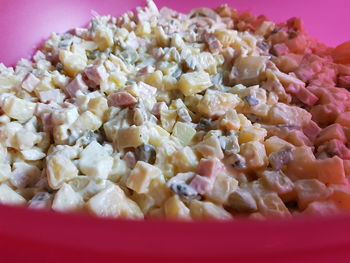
{"points": [[28, 236]]}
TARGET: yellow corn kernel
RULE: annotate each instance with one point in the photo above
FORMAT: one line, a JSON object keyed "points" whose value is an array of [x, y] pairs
{"points": [[141, 176], [184, 132], [194, 82]]}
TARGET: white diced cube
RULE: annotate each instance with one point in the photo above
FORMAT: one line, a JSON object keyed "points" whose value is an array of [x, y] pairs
{"points": [[95, 161]]}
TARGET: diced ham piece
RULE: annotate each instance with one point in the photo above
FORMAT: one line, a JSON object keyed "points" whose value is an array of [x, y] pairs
{"points": [[29, 82], [312, 130], [146, 70], [214, 46], [293, 88], [280, 49], [47, 121], [130, 159], [121, 99], [158, 108], [210, 168], [336, 147], [344, 82], [51, 95], [96, 73], [76, 84], [305, 96], [334, 131], [201, 184]]}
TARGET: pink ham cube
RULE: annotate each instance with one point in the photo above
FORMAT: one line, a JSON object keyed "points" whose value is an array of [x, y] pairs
{"points": [[29, 82], [76, 84], [121, 99], [305, 96], [201, 184], [210, 168], [280, 49], [96, 73], [312, 130]]}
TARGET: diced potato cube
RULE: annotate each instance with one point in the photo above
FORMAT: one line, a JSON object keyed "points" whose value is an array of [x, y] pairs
{"points": [[341, 194], [67, 200], [60, 169], [174, 208], [281, 113], [226, 37], [18, 109], [194, 82], [249, 69], [274, 144], [161, 38], [169, 83], [141, 176], [208, 211], [184, 133], [230, 121], [344, 119], [216, 103], [95, 161], [103, 37], [310, 190], [271, 205], [277, 182], [5, 172], [112, 202], [73, 61], [334, 131], [255, 154], [252, 133], [168, 119], [25, 139], [143, 29], [9, 196], [130, 137], [155, 79], [210, 147], [330, 170], [87, 121], [185, 160], [98, 106], [245, 122], [302, 165], [33, 154], [224, 185]]}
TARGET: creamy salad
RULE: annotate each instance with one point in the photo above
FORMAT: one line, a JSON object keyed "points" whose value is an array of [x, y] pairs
{"points": [[214, 114]]}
